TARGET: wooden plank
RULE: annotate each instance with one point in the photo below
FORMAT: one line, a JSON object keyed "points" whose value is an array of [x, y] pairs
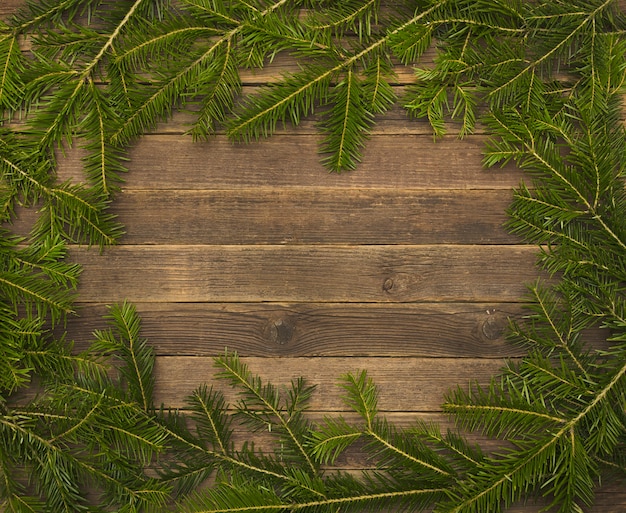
{"points": [[9, 7], [405, 384], [396, 162], [313, 216], [306, 273], [322, 329], [461, 330]]}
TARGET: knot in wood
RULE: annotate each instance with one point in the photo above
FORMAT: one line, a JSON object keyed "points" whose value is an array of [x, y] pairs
{"points": [[388, 284], [493, 326], [280, 332]]}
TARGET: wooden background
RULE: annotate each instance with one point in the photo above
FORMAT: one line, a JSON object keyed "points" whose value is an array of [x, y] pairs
{"points": [[401, 267]]}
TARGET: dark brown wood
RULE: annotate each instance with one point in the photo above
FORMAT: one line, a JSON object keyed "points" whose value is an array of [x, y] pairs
{"points": [[418, 382], [279, 215], [447, 273], [398, 162], [317, 329], [9, 7], [389, 161]]}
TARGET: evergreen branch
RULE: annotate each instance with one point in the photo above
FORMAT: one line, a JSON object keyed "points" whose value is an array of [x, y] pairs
{"points": [[239, 375], [71, 104], [530, 149], [526, 458], [227, 459], [242, 127], [551, 374], [406, 456], [491, 27], [232, 462], [425, 432], [139, 358], [138, 120], [34, 291], [81, 421], [209, 410], [346, 125], [11, 83], [349, 18], [528, 228], [199, 4], [178, 82], [326, 503], [49, 11], [362, 397], [220, 97], [501, 410], [102, 163], [138, 495], [327, 448], [59, 274], [563, 343], [109, 42], [533, 66], [156, 41], [379, 95]]}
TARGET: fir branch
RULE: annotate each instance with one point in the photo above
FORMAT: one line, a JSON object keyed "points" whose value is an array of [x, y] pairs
{"points": [[532, 67], [266, 397], [145, 114], [301, 91], [11, 69], [251, 500], [346, 124]]}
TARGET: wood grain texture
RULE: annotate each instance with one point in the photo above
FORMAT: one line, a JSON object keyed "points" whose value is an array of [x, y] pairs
{"points": [[424, 380], [317, 329], [314, 216], [9, 7], [442, 273], [160, 162]]}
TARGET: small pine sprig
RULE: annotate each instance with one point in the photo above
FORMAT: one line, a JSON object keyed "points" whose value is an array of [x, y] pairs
{"points": [[36, 278], [135, 356], [264, 407]]}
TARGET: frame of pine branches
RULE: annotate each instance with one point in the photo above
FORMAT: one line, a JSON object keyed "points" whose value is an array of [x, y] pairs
{"points": [[546, 79]]}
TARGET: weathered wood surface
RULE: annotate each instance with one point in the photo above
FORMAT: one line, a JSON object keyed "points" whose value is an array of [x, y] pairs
{"points": [[461, 330], [313, 216], [306, 273], [171, 161], [401, 267]]}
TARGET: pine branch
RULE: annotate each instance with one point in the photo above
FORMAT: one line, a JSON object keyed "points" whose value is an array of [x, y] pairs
{"points": [[12, 66], [268, 402], [346, 124], [137, 358]]}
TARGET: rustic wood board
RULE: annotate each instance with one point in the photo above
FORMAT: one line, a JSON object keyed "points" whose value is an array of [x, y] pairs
{"points": [[306, 273], [313, 216], [462, 330], [174, 161], [422, 389]]}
